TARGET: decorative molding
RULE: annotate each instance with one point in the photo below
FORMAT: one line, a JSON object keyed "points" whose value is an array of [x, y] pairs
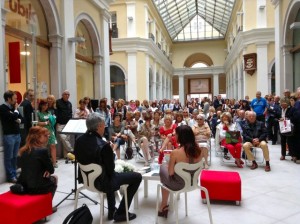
{"points": [[250, 63], [275, 2], [3, 15], [56, 40], [243, 39], [136, 44], [199, 71]]}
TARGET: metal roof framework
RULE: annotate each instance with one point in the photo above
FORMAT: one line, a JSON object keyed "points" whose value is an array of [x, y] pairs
{"points": [[188, 20]]}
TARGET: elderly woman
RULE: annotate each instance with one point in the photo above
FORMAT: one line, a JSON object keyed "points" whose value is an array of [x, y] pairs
{"points": [[202, 133], [146, 132], [234, 148]]}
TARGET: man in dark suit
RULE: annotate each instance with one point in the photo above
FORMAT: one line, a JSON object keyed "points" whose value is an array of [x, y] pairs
{"points": [[27, 114], [218, 103], [10, 120], [91, 148]]}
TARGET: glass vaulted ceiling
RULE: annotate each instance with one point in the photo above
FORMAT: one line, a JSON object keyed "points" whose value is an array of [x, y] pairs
{"points": [[188, 20]]}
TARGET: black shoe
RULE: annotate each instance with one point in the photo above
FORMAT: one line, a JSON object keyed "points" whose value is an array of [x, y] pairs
{"points": [[13, 180], [122, 217], [111, 214]]}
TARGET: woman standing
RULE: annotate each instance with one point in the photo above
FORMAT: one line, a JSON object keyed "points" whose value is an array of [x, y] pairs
{"points": [[51, 104], [88, 104], [105, 114], [81, 112], [35, 164], [47, 120], [189, 152]]}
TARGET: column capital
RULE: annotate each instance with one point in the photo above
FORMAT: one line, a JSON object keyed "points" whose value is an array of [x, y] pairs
{"points": [[56, 40], [105, 15], [3, 16], [131, 52], [275, 2], [262, 44], [98, 59]]}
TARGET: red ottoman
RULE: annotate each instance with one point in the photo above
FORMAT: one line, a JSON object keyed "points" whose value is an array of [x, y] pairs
{"points": [[221, 185], [25, 209]]}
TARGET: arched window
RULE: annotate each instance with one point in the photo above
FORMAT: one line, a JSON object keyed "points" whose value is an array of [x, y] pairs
{"points": [[117, 83]]}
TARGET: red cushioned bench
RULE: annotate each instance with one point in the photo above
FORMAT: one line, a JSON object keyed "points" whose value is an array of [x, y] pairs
{"points": [[221, 185], [24, 209]]}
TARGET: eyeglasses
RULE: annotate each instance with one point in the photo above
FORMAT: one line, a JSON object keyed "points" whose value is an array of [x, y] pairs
{"points": [[67, 94]]}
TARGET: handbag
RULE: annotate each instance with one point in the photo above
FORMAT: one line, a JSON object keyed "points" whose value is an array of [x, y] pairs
{"points": [[128, 153], [80, 215], [232, 137], [286, 128]]}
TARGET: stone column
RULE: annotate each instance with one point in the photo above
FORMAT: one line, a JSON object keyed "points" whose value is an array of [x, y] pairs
{"points": [[279, 77], [287, 68], [105, 72], [148, 81], [239, 82], [154, 82], [68, 78], [56, 64], [131, 19], [181, 89], [132, 75], [216, 84], [98, 67], [262, 68]]}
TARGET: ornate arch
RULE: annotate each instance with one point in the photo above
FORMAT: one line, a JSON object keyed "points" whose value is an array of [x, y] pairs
{"points": [[290, 17], [93, 32], [198, 57], [52, 17]]}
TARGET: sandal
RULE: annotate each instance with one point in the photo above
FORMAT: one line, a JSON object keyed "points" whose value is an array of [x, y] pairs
{"points": [[226, 157]]}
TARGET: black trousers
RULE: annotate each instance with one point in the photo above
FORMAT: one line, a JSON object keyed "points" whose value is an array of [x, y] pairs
{"points": [[272, 128], [133, 179], [283, 140]]}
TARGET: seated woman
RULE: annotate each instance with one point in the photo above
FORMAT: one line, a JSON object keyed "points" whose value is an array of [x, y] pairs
{"points": [[234, 148], [36, 165], [202, 133], [146, 133], [167, 134], [189, 152], [117, 134], [179, 119], [157, 123]]}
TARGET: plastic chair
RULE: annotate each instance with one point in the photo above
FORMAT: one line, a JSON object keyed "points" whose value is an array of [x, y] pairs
{"points": [[190, 174], [206, 144], [89, 173]]}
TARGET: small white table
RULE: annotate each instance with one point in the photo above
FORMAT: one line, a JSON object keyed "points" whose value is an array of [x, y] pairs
{"points": [[152, 175]]}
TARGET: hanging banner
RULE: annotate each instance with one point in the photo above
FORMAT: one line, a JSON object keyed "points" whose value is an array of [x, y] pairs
{"points": [[14, 62]]}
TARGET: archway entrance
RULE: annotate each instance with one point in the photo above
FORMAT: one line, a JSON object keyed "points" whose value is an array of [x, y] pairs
{"points": [[117, 83]]}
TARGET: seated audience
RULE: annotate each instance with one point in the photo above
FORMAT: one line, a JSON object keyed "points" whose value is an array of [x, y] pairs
{"points": [[202, 133], [91, 148], [234, 148], [189, 152], [255, 134]]}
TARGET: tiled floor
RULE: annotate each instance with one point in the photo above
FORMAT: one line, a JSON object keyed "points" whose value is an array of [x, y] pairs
{"points": [[267, 198]]}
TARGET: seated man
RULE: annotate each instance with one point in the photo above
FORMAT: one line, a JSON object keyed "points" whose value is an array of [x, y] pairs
{"points": [[91, 148], [254, 135]]}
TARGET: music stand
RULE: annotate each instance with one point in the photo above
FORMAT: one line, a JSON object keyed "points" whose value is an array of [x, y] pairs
{"points": [[75, 127]]}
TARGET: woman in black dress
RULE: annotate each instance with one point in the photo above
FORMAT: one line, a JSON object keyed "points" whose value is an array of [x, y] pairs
{"points": [[36, 165]]}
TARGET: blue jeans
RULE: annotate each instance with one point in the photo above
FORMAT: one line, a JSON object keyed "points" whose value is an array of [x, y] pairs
{"points": [[119, 141], [11, 145]]}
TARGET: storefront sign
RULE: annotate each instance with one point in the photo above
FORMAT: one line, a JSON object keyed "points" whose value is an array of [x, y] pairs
{"points": [[22, 10]]}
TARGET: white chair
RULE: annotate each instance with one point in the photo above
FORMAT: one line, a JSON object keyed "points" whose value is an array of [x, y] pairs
{"points": [[254, 152], [89, 173], [190, 174], [206, 144]]}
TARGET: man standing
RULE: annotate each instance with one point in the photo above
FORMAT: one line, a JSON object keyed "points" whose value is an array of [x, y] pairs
{"points": [[27, 108], [63, 115], [218, 103], [10, 120], [254, 135], [91, 148], [259, 106]]}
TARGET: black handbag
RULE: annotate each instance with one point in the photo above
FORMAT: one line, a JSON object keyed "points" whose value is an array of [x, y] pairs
{"points": [[80, 215], [128, 153]]}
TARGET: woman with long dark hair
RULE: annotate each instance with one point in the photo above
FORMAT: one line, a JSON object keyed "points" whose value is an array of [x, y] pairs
{"points": [[188, 152]]}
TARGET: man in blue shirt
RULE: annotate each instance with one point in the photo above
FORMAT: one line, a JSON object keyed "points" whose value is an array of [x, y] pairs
{"points": [[259, 106]]}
